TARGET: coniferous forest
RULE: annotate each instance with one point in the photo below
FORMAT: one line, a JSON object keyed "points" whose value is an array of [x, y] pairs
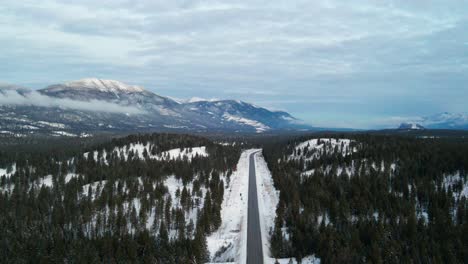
{"points": [[155, 198], [138, 199], [371, 199]]}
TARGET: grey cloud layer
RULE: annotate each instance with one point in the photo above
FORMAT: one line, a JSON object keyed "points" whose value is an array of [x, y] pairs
{"points": [[37, 99], [362, 49]]}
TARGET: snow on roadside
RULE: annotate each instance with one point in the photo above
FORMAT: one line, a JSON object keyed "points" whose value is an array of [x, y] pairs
{"points": [[268, 198], [229, 242]]}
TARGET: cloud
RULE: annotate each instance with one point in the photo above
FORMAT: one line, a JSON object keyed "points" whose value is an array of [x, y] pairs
{"points": [[37, 99]]}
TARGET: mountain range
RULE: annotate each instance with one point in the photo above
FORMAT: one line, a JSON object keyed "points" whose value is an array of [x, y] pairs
{"points": [[81, 107], [445, 120]]}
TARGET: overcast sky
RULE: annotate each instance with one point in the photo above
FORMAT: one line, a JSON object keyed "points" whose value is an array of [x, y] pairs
{"points": [[360, 64]]}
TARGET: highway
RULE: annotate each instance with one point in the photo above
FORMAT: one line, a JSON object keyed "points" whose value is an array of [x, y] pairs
{"points": [[254, 237]]}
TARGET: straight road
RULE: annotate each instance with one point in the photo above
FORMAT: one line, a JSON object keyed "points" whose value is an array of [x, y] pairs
{"points": [[254, 237]]}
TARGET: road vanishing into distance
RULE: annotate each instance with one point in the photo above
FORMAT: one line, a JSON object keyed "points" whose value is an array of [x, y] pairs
{"points": [[254, 237]]}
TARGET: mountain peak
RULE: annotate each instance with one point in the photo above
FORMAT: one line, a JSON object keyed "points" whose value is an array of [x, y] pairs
{"points": [[411, 126], [104, 85], [159, 112]]}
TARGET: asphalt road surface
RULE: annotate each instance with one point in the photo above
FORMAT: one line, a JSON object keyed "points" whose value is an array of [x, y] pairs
{"points": [[254, 237]]}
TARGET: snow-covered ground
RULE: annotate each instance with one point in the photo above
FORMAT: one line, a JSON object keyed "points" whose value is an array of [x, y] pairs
{"points": [[64, 133], [70, 176], [173, 185], [45, 181], [50, 124], [4, 172], [450, 181], [259, 127], [229, 242], [186, 152], [6, 132], [268, 198]]}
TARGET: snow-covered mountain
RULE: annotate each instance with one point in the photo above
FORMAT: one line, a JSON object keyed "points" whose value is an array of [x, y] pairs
{"points": [[446, 121], [98, 84], [89, 105], [107, 90], [232, 113], [410, 126]]}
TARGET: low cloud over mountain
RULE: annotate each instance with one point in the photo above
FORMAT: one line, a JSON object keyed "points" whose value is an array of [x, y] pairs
{"points": [[96, 105], [33, 98]]}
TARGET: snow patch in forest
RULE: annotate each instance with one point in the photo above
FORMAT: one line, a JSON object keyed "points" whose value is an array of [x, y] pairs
{"points": [[174, 190], [45, 181], [4, 172], [268, 198], [314, 148], [457, 183], [323, 218], [70, 176], [226, 143], [361, 167], [96, 188], [174, 185], [306, 260], [229, 242], [51, 124], [63, 133], [143, 151], [190, 153]]}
